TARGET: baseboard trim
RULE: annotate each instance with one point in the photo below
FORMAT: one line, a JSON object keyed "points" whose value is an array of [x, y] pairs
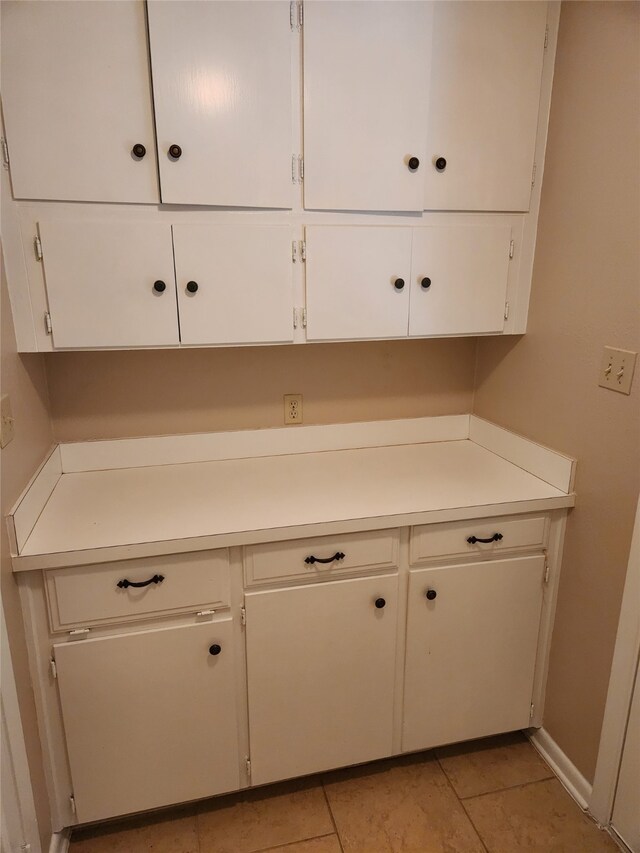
{"points": [[60, 841], [568, 774]]}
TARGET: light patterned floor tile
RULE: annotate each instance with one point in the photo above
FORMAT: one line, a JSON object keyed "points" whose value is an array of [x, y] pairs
{"points": [[536, 818], [326, 844], [264, 818], [401, 806], [491, 764], [162, 832]]}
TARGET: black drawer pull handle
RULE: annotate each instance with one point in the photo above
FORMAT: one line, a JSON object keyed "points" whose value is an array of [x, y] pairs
{"points": [[337, 556], [155, 579], [495, 538]]}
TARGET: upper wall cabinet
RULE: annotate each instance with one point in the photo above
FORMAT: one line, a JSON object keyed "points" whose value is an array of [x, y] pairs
{"points": [[483, 105], [222, 94], [77, 101], [366, 84]]}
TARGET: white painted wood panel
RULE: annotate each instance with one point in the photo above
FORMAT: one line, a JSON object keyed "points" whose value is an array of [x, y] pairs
{"points": [[350, 276], [222, 92], [100, 280], [471, 651], [150, 718], [439, 540], [466, 270], [34, 499], [625, 819], [287, 561], [76, 97], [366, 83], [90, 595], [483, 104], [244, 283], [320, 674]]}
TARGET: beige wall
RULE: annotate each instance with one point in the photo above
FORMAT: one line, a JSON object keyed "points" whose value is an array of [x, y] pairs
{"points": [[23, 378], [586, 293], [114, 394]]}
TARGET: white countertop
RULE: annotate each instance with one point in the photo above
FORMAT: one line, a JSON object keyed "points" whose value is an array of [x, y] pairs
{"points": [[233, 501]]}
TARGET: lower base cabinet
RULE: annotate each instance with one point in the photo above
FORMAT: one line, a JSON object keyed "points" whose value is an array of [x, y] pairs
{"points": [[150, 718], [321, 668], [472, 636]]}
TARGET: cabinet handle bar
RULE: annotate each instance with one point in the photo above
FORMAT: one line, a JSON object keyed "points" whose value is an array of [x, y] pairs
{"points": [[495, 538], [123, 584], [337, 556]]}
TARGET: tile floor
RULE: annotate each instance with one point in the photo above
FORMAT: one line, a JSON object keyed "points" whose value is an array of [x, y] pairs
{"points": [[489, 796]]}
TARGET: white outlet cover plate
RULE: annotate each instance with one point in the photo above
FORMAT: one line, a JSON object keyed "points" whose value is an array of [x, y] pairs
{"points": [[616, 369]]}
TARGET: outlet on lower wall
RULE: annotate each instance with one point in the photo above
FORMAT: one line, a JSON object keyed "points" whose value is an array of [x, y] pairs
{"points": [[616, 369], [293, 408]]}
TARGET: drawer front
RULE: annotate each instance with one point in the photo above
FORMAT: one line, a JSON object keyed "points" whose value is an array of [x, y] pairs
{"points": [[287, 561], [92, 595], [451, 540]]}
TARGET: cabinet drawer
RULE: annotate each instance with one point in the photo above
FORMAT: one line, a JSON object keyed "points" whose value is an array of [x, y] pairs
{"points": [[280, 561], [91, 595], [451, 540]]}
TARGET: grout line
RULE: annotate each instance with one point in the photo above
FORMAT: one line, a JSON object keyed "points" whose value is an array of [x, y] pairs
{"points": [[455, 794], [510, 788], [333, 820], [291, 843]]}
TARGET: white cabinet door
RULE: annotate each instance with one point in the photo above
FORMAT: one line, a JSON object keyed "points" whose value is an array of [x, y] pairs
{"points": [[105, 283], [366, 84], [222, 93], [321, 663], [150, 718], [471, 650], [77, 98], [357, 282], [483, 104], [234, 283], [459, 279]]}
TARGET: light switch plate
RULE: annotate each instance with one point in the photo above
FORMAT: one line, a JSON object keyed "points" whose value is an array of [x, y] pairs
{"points": [[6, 421], [616, 370]]}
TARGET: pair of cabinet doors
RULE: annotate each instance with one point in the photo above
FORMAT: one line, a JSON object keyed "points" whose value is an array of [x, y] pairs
{"points": [[137, 284], [197, 102]]}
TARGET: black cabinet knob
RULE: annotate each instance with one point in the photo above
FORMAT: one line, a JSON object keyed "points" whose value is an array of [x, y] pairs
{"points": [[425, 284], [192, 286], [175, 152], [431, 594], [215, 649], [138, 151], [398, 283], [159, 286], [413, 163], [380, 603], [441, 164]]}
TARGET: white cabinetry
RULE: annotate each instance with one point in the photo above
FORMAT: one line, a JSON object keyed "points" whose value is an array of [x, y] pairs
{"points": [[472, 635], [76, 97], [234, 283], [366, 83], [150, 718], [110, 284], [368, 282], [357, 282], [222, 95], [483, 104], [459, 279], [321, 664]]}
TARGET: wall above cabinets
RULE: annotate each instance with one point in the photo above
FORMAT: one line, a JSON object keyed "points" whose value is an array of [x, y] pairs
{"points": [[211, 173]]}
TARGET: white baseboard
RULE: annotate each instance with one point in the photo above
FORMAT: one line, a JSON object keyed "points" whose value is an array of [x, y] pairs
{"points": [[565, 770], [60, 841]]}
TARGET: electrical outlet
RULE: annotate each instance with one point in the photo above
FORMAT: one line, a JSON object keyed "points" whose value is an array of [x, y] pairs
{"points": [[616, 370], [293, 408], [6, 421]]}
